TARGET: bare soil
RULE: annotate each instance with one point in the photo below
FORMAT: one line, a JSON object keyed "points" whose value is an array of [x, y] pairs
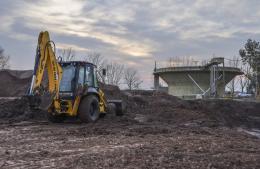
{"points": [[114, 144], [157, 131]]}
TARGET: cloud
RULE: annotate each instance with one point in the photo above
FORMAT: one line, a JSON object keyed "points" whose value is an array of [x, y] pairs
{"points": [[136, 32], [7, 22], [63, 19], [74, 47]]}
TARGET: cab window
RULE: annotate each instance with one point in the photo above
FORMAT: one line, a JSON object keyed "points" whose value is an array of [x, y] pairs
{"points": [[66, 84], [89, 76], [81, 76], [95, 78]]}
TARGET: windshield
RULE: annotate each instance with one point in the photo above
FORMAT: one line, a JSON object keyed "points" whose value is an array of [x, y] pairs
{"points": [[67, 78]]}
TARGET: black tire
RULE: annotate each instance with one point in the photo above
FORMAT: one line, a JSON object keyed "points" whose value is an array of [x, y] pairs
{"points": [[102, 115], [89, 109], [120, 109], [117, 108], [55, 118], [111, 108]]}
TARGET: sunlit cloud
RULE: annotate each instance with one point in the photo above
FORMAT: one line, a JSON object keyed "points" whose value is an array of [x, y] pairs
{"points": [[63, 22], [134, 32]]}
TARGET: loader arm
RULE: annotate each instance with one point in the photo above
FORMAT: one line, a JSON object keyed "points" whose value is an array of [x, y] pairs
{"points": [[45, 61]]}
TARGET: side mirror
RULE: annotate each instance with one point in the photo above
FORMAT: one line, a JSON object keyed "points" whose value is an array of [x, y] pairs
{"points": [[104, 72]]}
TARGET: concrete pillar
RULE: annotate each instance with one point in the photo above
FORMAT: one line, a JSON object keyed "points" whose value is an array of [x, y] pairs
{"points": [[156, 82], [213, 87]]}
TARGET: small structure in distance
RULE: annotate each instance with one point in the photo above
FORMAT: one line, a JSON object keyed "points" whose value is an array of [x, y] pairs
{"points": [[208, 80]]}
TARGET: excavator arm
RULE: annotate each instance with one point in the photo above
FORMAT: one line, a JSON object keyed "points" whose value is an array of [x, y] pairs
{"points": [[45, 64]]}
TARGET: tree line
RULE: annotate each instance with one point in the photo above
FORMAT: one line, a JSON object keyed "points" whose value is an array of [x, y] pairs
{"points": [[116, 73], [4, 59]]}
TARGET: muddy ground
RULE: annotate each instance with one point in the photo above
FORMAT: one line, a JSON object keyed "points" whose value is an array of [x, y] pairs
{"points": [[117, 144], [157, 131]]}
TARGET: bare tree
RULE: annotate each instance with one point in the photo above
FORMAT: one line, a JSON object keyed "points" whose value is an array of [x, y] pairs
{"points": [[174, 61], [114, 70], [115, 73], [96, 59], [244, 80], [184, 61], [67, 54], [132, 79], [99, 61], [231, 85], [4, 60]]}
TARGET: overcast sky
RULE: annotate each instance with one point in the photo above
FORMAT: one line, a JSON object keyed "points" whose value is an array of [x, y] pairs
{"points": [[132, 32]]}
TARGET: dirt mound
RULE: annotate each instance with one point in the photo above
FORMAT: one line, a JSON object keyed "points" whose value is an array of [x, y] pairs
{"points": [[111, 91], [18, 110], [228, 112], [14, 82], [157, 107], [142, 106]]}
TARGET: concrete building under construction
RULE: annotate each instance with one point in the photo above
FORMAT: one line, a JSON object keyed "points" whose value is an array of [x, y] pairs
{"points": [[208, 80]]}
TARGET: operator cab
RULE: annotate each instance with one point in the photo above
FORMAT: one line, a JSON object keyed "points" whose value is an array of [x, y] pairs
{"points": [[76, 74]]}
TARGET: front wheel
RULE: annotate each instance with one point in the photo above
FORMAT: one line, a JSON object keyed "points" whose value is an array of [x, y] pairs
{"points": [[89, 109]]}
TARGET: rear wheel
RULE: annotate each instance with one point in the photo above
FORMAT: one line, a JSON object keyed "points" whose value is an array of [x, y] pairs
{"points": [[55, 118], [89, 109]]}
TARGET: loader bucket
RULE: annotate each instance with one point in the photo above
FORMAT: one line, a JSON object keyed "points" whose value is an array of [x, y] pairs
{"points": [[42, 102]]}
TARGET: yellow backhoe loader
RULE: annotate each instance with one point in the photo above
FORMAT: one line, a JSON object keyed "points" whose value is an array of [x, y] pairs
{"points": [[66, 89]]}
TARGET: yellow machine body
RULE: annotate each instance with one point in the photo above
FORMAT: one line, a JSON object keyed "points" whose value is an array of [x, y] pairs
{"points": [[48, 67]]}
